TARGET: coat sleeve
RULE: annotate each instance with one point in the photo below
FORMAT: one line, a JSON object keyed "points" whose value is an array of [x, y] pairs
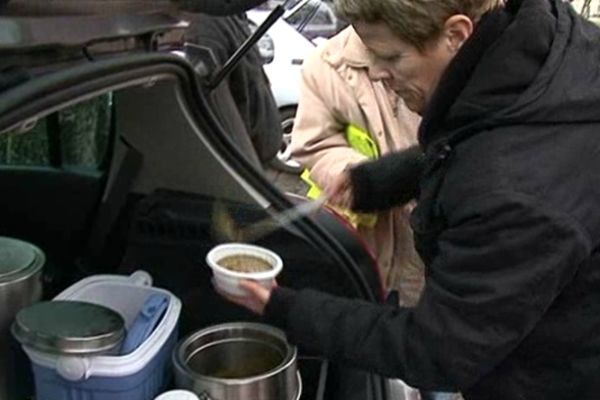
{"points": [[318, 139], [501, 263], [392, 180]]}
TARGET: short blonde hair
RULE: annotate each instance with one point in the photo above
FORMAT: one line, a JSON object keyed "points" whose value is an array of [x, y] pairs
{"points": [[415, 21]]}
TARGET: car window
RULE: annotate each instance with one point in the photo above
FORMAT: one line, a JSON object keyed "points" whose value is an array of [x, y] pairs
{"points": [[75, 137], [322, 16], [299, 16], [289, 4], [314, 19], [29, 148]]}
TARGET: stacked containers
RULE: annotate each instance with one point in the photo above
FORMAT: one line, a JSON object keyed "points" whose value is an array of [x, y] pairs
{"points": [[139, 375]]}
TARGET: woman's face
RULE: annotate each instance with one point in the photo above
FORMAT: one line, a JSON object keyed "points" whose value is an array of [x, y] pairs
{"points": [[411, 73]]}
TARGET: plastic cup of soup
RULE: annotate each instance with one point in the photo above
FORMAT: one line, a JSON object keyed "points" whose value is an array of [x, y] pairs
{"points": [[234, 262]]}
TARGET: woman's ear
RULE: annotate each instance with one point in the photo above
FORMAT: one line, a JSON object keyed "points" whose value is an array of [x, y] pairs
{"points": [[457, 29]]}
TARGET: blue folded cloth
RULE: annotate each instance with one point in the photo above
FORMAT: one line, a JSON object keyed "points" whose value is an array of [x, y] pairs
{"points": [[146, 321]]}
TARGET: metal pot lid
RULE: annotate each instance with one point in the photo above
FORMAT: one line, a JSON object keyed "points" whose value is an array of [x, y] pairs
{"points": [[18, 259], [69, 327]]}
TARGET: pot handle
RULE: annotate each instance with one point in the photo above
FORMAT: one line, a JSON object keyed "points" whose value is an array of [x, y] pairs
{"points": [[73, 369], [141, 278]]}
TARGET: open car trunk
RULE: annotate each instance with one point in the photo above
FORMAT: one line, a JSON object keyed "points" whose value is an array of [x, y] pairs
{"points": [[114, 165]]}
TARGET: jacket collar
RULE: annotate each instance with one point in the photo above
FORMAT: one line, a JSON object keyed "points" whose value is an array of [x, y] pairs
{"points": [[347, 48], [458, 74]]}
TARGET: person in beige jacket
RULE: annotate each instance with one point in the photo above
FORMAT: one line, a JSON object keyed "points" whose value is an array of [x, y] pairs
{"points": [[336, 91]]}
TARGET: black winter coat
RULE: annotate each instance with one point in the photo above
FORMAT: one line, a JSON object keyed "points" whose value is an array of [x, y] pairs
{"points": [[247, 84], [508, 224]]}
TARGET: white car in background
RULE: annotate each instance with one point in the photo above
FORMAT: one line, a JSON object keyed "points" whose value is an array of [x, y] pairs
{"points": [[284, 48]]}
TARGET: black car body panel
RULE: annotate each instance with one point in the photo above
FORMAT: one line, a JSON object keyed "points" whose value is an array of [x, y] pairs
{"points": [[142, 198]]}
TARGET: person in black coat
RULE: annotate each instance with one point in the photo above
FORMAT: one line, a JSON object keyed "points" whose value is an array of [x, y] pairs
{"points": [[247, 84], [244, 103], [508, 215]]}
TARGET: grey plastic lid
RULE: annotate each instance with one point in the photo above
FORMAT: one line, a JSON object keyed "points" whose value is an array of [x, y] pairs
{"points": [[69, 327], [18, 259]]}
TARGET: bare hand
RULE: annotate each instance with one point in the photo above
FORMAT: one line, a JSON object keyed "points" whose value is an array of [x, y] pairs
{"points": [[339, 191], [257, 298]]}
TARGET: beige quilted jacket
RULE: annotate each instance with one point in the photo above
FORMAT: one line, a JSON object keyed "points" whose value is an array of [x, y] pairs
{"points": [[336, 91]]}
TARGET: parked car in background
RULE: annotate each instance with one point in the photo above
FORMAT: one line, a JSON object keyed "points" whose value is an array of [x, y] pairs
{"points": [[314, 19], [284, 49]]}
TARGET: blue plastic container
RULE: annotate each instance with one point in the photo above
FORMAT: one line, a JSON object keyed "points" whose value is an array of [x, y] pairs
{"points": [[141, 375], [143, 385]]}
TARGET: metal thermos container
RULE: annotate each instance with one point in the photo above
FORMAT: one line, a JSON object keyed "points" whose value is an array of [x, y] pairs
{"points": [[238, 361], [70, 328], [20, 285]]}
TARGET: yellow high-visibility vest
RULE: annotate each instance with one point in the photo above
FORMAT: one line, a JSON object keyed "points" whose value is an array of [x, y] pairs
{"points": [[361, 141]]}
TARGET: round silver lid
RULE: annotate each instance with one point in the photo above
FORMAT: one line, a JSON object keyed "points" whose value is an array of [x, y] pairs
{"points": [[69, 327], [18, 259]]}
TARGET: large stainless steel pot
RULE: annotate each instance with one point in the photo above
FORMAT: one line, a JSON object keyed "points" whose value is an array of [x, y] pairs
{"points": [[20, 285], [238, 361]]}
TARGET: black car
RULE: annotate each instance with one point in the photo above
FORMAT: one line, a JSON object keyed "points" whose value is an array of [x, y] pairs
{"points": [[113, 153]]}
